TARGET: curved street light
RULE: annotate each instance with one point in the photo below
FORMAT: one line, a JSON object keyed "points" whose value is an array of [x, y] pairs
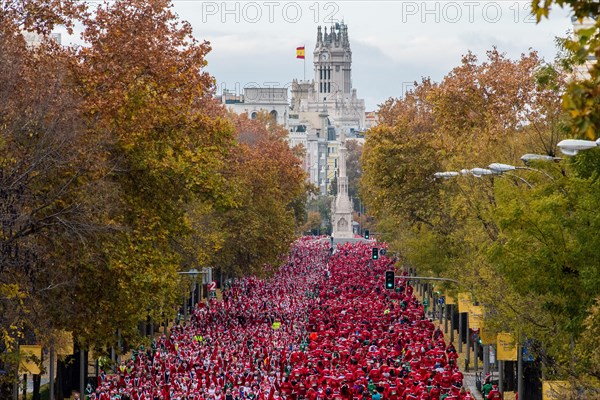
{"points": [[494, 169], [479, 172], [503, 168], [571, 147], [529, 157], [446, 174]]}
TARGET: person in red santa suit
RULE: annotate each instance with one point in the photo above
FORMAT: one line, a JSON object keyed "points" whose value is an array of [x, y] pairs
{"points": [[494, 394]]}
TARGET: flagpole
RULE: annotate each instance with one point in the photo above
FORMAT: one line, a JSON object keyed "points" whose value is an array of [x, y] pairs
{"points": [[304, 61]]}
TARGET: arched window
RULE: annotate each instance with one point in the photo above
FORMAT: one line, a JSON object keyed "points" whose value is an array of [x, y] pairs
{"points": [[253, 115], [273, 115]]}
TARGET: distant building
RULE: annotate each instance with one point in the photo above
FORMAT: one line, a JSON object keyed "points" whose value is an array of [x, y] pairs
{"points": [[583, 71], [313, 131], [321, 110], [329, 94], [371, 119], [34, 40], [256, 99], [331, 89]]}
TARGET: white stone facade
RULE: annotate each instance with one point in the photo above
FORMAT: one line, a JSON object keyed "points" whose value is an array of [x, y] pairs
{"points": [[256, 99], [321, 110], [331, 89]]}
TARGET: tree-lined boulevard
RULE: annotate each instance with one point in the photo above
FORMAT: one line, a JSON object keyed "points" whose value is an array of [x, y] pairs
{"points": [[120, 173]]}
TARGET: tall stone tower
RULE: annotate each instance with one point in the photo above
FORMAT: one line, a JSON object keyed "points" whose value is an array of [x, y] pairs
{"points": [[331, 89], [333, 61], [341, 209]]}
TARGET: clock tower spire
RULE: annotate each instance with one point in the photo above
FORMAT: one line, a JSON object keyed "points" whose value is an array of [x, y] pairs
{"points": [[332, 63]]}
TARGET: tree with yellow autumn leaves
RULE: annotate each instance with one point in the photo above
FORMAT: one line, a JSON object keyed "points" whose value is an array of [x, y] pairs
{"points": [[521, 242], [118, 169]]}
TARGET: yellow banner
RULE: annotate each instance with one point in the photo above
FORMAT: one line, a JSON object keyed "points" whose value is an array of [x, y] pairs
{"points": [[556, 390], [476, 317], [464, 302], [507, 347], [31, 356], [64, 343], [486, 336]]}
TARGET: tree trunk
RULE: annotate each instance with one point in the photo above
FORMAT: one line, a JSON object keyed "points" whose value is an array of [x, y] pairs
{"points": [[37, 380], [58, 382]]}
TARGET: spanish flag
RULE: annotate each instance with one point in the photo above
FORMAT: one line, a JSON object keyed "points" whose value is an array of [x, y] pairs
{"points": [[300, 52]]}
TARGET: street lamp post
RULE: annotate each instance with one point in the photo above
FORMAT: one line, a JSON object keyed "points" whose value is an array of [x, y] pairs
{"points": [[497, 169], [520, 388], [503, 168], [446, 174], [571, 147], [529, 158]]}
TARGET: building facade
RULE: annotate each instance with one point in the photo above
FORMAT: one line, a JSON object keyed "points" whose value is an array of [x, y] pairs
{"points": [[582, 71], [256, 99], [331, 89], [321, 110]]}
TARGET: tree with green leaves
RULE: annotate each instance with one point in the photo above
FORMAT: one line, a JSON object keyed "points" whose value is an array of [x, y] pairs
{"points": [[581, 99], [271, 191], [522, 242]]}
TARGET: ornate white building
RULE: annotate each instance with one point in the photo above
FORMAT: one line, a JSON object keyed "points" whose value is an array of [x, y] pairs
{"points": [[322, 110], [256, 99], [331, 90]]}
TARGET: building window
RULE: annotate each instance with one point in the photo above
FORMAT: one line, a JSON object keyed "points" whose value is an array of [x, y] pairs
{"points": [[328, 87], [274, 115], [320, 87], [253, 115], [329, 73]]}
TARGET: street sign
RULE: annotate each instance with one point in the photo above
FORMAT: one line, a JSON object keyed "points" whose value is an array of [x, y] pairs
{"points": [[383, 252], [526, 351], [441, 300]]}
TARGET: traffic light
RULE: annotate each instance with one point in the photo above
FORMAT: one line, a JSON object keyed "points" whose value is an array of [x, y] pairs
{"points": [[375, 255], [366, 233], [389, 279]]}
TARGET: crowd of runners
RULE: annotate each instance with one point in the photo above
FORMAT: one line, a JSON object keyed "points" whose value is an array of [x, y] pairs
{"points": [[323, 327]]}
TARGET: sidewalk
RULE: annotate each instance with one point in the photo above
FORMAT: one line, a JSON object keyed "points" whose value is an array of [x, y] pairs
{"points": [[470, 383], [469, 377]]}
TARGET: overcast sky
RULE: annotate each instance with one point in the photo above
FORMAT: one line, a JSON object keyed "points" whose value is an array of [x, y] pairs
{"points": [[393, 43]]}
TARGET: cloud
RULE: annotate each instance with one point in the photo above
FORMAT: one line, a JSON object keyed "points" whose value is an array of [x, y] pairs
{"points": [[393, 44]]}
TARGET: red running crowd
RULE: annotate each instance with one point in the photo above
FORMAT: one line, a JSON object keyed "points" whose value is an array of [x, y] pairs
{"points": [[322, 328]]}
